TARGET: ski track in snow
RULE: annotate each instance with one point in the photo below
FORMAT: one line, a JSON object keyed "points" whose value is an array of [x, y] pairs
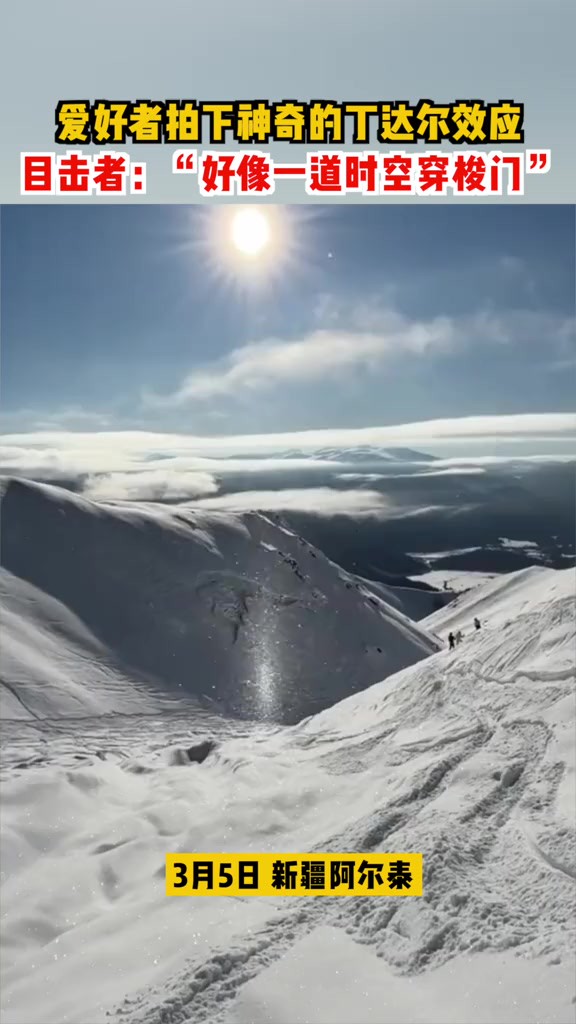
{"points": [[510, 895], [387, 925], [503, 910]]}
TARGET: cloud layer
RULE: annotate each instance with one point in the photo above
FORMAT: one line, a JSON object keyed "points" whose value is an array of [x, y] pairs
{"points": [[140, 465], [322, 500], [150, 485], [521, 427]]}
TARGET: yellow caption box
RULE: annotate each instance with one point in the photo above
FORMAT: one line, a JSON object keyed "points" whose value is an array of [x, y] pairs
{"points": [[294, 874]]}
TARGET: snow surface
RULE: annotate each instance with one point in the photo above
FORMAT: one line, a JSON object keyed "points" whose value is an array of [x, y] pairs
{"points": [[232, 609], [467, 755], [457, 580], [340, 981], [429, 557], [507, 543]]}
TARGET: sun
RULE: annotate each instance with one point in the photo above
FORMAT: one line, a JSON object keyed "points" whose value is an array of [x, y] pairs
{"points": [[251, 249], [250, 232], [249, 245]]}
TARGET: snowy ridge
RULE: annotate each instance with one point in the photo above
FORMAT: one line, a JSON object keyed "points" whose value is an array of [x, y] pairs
{"points": [[467, 756], [543, 601], [232, 609]]}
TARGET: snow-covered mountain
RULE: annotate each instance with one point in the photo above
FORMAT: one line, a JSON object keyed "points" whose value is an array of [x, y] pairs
{"points": [[125, 607], [364, 453], [467, 756]]}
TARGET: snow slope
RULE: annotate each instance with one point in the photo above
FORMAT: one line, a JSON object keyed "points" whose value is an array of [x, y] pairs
{"points": [[53, 666], [456, 580], [340, 981], [543, 608], [232, 609], [467, 756]]}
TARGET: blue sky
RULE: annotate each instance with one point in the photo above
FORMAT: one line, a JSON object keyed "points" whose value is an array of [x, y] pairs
{"points": [[133, 317]]}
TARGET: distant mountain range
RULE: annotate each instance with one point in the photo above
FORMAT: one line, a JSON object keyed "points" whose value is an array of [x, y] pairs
{"points": [[363, 454]]}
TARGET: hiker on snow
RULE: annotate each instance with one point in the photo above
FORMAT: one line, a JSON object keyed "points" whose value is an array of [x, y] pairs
{"points": [[451, 640], [459, 636], [477, 623]]}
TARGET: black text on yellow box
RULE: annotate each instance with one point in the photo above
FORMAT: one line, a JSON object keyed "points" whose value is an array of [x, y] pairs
{"points": [[294, 874]]}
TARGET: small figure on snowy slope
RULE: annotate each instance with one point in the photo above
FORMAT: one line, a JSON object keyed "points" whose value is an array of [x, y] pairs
{"points": [[459, 637], [451, 640], [476, 623]]}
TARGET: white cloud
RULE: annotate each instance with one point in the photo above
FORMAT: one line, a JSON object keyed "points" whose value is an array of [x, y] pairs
{"points": [[452, 471], [68, 418], [64, 455], [322, 500], [495, 460], [361, 477], [150, 485], [364, 337], [315, 355], [75, 417]]}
